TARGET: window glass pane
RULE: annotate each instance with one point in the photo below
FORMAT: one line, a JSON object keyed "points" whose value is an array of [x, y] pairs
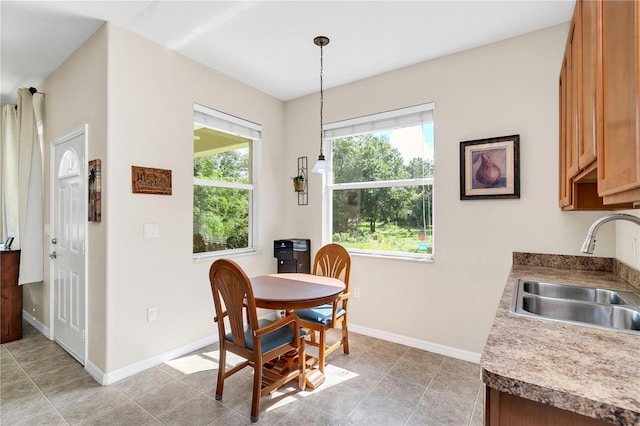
{"points": [[397, 219], [221, 156], [382, 190], [220, 218], [224, 185], [391, 155]]}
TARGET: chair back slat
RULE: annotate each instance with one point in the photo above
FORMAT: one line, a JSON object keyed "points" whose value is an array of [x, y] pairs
{"points": [[230, 287], [333, 260]]}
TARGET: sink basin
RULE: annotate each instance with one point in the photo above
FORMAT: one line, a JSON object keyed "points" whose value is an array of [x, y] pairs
{"points": [[609, 316], [587, 294], [598, 307]]}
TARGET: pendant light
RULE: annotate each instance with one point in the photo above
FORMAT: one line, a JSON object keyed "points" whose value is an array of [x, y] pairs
{"points": [[321, 165]]}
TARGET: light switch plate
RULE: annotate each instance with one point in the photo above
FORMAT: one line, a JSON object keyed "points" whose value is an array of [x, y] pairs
{"points": [[150, 230]]}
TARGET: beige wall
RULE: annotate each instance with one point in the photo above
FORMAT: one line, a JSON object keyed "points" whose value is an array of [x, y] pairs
{"points": [[501, 89], [137, 98], [76, 94], [151, 96]]}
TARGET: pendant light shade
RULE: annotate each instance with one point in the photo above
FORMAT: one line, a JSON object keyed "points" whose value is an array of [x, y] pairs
{"points": [[321, 166]]}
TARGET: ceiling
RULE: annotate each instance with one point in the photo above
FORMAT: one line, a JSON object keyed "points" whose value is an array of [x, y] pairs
{"points": [[269, 44]]}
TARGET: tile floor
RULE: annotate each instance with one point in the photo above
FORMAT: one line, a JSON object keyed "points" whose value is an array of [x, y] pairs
{"points": [[379, 383]]}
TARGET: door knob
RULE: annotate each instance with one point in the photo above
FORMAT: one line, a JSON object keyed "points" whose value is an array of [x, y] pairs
{"points": [[53, 255], [54, 241]]}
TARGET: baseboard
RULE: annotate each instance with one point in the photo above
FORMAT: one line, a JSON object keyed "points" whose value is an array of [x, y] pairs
{"points": [[130, 370], [416, 343], [36, 324], [123, 373]]}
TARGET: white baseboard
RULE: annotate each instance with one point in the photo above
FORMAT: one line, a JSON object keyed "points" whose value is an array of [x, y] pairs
{"points": [[416, 343], [36, 324], [143, 365]]}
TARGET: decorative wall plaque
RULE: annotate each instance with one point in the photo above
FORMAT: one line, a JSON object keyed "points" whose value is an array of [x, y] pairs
{"points": [[147, 180], [95, 191]]}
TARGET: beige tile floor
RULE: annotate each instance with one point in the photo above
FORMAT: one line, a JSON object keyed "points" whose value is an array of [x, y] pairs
{"points": [[379, 383]]}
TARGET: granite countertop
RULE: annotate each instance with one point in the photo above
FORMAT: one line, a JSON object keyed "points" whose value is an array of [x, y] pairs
{"points": [[587, 370]]}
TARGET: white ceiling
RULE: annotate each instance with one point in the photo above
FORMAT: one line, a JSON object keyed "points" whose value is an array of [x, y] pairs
{"points": [[269, 44]]}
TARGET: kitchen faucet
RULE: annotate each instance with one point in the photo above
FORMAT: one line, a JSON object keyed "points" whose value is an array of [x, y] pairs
{"points": [[590, 242]]}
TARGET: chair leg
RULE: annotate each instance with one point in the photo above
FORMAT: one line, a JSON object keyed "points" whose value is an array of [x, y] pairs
{"points": [[345, 338], [222, 362], [321, 350], [302, 359], [257, 385]]}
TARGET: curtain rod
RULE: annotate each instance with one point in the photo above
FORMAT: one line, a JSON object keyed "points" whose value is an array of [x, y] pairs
{"points": [[33, 91]]}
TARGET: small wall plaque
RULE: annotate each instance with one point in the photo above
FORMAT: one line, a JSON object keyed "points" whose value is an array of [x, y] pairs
{"points": [[147, 180]]}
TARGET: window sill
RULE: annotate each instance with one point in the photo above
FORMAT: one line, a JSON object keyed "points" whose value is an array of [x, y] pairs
{"points": [[205, 257], [393, 257]]}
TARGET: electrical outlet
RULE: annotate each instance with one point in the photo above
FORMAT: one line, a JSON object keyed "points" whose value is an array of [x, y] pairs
{"points": [[356, 292], [152, 313]]}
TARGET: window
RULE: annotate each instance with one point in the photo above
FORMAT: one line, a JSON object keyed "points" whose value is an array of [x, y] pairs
{"points": [[224, 152], [380, 189]]}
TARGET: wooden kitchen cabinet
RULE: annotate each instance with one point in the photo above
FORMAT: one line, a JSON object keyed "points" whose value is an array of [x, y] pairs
{"points": [[619, 147], [590, 120], [583, 115], [10, 297], [503, 409]]}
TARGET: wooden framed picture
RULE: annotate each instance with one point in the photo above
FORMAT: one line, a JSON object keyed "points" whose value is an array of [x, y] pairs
{"points": [[490, 168], [95, 191], [148, 180]]}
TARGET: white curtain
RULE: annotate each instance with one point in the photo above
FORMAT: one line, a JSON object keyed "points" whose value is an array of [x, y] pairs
{"points": [[22, 182]]}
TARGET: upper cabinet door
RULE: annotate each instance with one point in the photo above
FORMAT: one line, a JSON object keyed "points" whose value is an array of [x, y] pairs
{"points": [[591, 119], [573, 54], [618, 150]]}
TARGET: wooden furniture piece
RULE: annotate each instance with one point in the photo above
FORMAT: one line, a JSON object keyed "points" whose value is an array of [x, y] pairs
{"points": [[11, 297], [297, 291], [502, 408], [619, 147], [258, 342], [332, 260], [288, 292], [600, 108]]}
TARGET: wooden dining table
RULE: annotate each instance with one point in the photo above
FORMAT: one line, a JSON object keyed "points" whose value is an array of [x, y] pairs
{"points": [[291, 291]]}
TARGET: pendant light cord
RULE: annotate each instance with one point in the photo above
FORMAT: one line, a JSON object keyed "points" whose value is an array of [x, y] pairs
{"points": [[321, 101]]}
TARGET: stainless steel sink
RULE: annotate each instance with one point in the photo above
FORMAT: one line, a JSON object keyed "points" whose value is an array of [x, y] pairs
{"points": [[587, 294], [610, 316], [599, 307]]}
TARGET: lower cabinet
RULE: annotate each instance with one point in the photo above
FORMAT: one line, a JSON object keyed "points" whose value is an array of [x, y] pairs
{"points": [[509, 410], [11, 297]]}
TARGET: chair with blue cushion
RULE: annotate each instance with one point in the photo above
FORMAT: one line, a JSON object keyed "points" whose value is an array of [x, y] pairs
{"points": [[332, 260], [257, 341]]}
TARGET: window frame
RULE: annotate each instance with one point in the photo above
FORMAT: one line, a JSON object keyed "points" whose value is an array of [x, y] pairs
{"points": [[235, 124], [329, 187]]}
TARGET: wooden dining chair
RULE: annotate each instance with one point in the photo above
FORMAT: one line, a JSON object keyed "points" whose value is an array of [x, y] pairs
{"points": [[332, 260], [257, 341]]}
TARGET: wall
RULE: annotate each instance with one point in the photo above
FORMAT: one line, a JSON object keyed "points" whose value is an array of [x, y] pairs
{"points": [[151, 95], [76, 93], [501, 89], [627, 240]]}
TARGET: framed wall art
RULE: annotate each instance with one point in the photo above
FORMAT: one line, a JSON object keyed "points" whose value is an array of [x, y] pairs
{"points": [[147, 180], [95, 191], [490, 168]]}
